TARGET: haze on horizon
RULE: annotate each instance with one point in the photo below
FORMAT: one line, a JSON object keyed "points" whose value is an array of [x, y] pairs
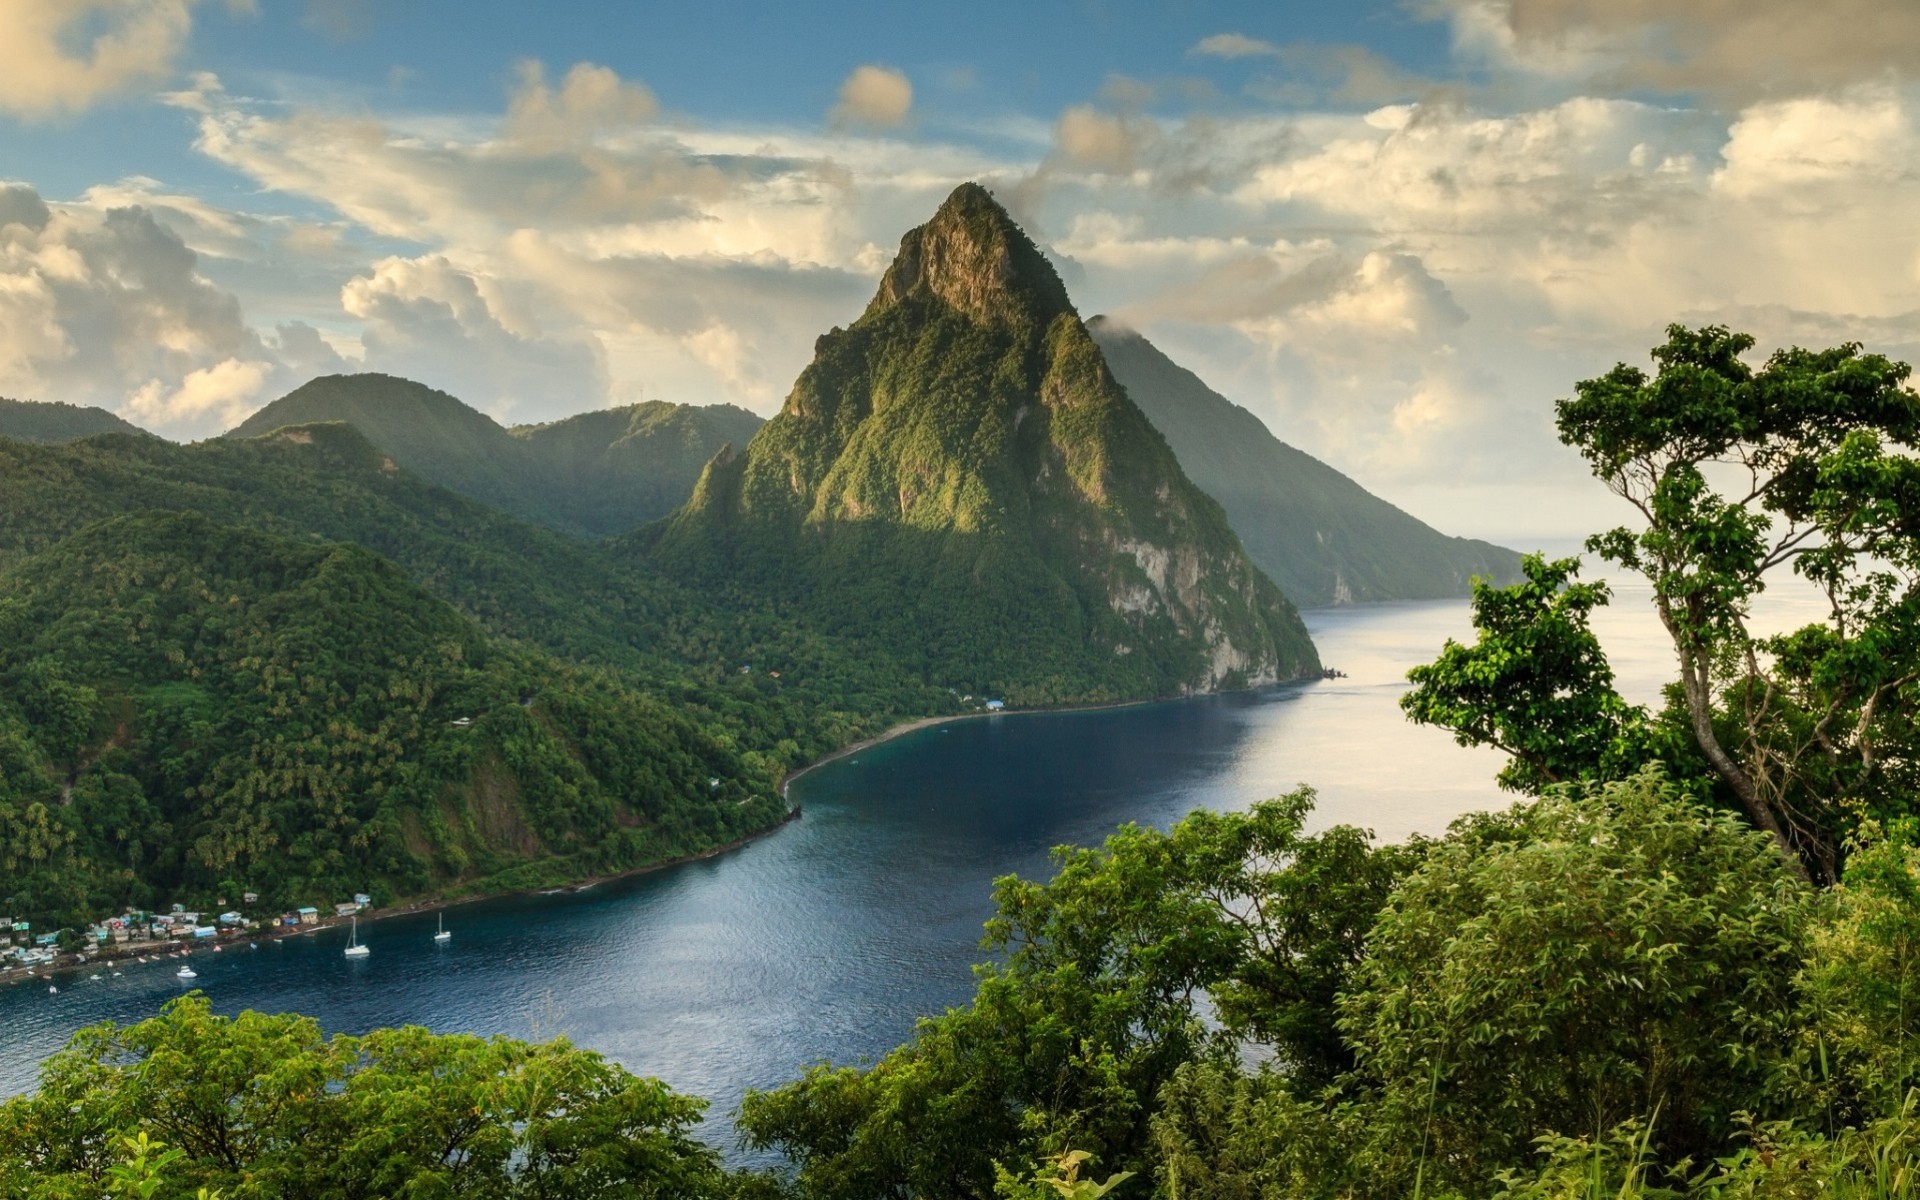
{"points": [[1394, 231]]}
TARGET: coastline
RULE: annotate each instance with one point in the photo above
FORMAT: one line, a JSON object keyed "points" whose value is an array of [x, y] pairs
{"points": [[919, 723], [154, 951]]}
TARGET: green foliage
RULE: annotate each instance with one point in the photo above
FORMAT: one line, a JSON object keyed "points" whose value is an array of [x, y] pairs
{"points": [[1861, 981], [1576, 965], [594, 474], [1319, 535], [1093, 1005], [221, 705], [1057, 1179], [265, 1106], [1735, 473], [51, 421], [1535, 684], [566, 624]]}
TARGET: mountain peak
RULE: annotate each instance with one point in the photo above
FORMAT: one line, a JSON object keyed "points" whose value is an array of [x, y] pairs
{"points": [[973, 257]]}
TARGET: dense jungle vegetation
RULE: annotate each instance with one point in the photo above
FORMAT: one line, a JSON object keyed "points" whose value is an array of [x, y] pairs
{"points": [[1686, 964], [233, 666]]}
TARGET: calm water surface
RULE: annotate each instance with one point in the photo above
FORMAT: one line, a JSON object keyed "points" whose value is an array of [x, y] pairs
{"points": [[826, 939]]}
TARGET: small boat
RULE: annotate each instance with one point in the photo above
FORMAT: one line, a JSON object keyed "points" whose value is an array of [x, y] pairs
{"points": [[187, 972], [52, 990], [354, 948], [445, 934]]}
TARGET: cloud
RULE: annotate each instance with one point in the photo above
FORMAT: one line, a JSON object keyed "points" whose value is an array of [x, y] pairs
{"points": [[221, 396], [96, 305], [873, 96], [559, 158], [427, 319], [64, 56], [1235, 45], [1315, 293], [1097, 141], [591, 100], [1737, 49], [105, 304]]}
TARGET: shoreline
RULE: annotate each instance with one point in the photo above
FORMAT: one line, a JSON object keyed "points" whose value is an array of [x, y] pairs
{"points": [[918, 723], [155, 951]]}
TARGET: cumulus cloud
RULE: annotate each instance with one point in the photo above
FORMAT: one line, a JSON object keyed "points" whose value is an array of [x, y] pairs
{"points": [[553, 162], [874, 96], [105, 304], [590, 100], [1098, 141], [1742, 49], [220, 396], [100, 305], [427, 319], [63, 56]]}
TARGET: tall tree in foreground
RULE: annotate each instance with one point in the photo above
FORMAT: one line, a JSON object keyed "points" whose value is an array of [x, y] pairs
{"points": [[1737, 474]]}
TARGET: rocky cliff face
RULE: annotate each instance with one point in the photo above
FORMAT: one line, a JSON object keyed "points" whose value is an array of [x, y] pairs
{"points": [[962, 454]]}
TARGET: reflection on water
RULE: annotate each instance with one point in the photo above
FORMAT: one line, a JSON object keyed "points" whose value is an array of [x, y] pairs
{"points": [[827, 939]]}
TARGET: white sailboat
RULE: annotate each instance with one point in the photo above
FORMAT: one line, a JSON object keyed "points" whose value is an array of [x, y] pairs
{"points": [[445, 934], [354, 948]]}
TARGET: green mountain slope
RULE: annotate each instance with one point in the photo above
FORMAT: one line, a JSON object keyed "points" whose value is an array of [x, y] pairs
{"points": [[1322, 537], [595, 474], [958, 479], [197, 708], [47, 421], [426, 431], [620, 467]]}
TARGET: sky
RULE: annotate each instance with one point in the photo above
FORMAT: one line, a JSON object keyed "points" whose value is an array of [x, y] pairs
{"points": [[1396, 231]]}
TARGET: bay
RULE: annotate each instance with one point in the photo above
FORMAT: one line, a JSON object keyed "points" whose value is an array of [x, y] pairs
{"points": [[827, 939]]}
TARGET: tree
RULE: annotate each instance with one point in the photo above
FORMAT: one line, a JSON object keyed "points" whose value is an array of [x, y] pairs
{"points": [[1096, 1005], [1535, 683], [1602, 955], [1734, 474], [262, 1106]]}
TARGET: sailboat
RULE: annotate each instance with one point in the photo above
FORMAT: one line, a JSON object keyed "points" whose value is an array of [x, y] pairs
{"points": [[445, 934], [354, 948]]}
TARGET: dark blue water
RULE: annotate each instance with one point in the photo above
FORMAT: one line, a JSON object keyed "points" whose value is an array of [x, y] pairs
{"points": [[826, 939]]}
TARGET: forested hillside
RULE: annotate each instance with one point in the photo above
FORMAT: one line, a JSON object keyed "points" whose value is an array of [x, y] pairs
{"points": [[50, 421], [111, 597], [193, 708], [1322, 537], [594, 474], [615, 468]]}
